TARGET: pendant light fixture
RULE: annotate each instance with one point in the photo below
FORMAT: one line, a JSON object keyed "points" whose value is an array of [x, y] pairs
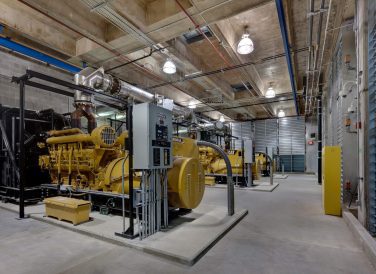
{"points": [[270, 93], [169, 67], [191, 105], [245, 45], [222, 119], [281, 113]]}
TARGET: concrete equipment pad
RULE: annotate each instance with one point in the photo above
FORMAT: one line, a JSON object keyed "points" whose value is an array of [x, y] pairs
{"points": [[186, 240], [280, 176], [262, 186]]}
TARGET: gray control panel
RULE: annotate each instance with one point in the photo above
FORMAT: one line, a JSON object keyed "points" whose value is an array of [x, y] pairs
{"points": [[152, 137]]}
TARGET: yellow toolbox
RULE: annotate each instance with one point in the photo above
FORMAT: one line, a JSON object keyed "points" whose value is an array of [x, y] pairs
{"points": [[68, 209], [331, 180]]}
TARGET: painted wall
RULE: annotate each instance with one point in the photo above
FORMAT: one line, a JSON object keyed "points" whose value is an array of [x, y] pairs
{"points": [[16, 65]]}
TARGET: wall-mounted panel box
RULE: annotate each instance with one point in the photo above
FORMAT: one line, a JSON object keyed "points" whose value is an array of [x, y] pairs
{"points": [[152, 137], [248, 151]]}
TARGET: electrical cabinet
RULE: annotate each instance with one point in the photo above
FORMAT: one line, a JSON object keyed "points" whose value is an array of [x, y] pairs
{"points": [[331, 180], [152, 137], [248, 152]]}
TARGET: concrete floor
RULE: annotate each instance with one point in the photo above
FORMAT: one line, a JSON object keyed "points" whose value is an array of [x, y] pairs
{"points": [[284, 232]]}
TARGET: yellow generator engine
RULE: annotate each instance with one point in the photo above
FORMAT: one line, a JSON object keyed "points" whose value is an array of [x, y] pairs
{"points": [[236, 160], [96, 161], [214, 164], [261, 162]]}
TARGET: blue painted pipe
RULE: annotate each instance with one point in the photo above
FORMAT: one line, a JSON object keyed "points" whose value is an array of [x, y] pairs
{"points": [[282, 24], [7, 43]]}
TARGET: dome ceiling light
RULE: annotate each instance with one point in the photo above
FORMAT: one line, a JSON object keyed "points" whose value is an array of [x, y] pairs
{"points": [[270, 93], [245, 45], [169, 67], [281, 113], [191, 105]]}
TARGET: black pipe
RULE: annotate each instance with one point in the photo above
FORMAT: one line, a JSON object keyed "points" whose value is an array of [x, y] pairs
{"points": [[221, 70], [129, 233], [130, 62], [137, 59], [319, 139], [15, 167], [243, 166], [22, 150], [249, 105], [130, 164]]}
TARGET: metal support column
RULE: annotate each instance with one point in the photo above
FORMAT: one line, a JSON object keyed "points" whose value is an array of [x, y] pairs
{"points": [[319, 139], [129, 233], [22, 151]]}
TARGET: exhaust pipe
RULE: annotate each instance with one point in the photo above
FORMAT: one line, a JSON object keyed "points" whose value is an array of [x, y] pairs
{"points": [[99, 80]]}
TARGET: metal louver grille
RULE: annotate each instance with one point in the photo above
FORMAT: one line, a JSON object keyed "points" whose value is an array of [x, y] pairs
{"points": [[242, 131], [266, 134], [292, 143], [372, 117], [292, 136], [108, 136]]}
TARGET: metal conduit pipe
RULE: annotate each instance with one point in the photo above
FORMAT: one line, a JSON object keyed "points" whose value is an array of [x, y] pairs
{"points": [[230, 183], [325, 41], [316, 52], [311, 6], [198, 28], [108, 47]]}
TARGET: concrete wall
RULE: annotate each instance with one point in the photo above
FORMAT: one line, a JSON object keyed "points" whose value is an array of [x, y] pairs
{"points": [[16, 65], [311, 150]]}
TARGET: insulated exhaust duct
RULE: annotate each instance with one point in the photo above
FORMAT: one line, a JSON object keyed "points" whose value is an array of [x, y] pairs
{"points": [[99, 80]]}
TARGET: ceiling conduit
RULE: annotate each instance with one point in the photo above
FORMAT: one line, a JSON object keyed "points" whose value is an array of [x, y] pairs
{"points": [[282, 24]]}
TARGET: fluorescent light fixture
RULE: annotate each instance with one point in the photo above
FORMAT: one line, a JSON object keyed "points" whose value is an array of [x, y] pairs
{"points": [[270, 93], [118, 117], [281, 113], [169, 67], [222, 118], [193, 73], [245, 45], [192, 105], [104, 114]]}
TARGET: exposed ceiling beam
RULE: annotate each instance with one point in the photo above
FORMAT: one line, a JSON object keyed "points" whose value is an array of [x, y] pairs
{"points": [[177, 24], [30, 24], [185, 54]]}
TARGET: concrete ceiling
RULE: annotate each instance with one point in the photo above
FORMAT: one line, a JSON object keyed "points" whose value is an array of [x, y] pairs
{"points": [[113, 32]]}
